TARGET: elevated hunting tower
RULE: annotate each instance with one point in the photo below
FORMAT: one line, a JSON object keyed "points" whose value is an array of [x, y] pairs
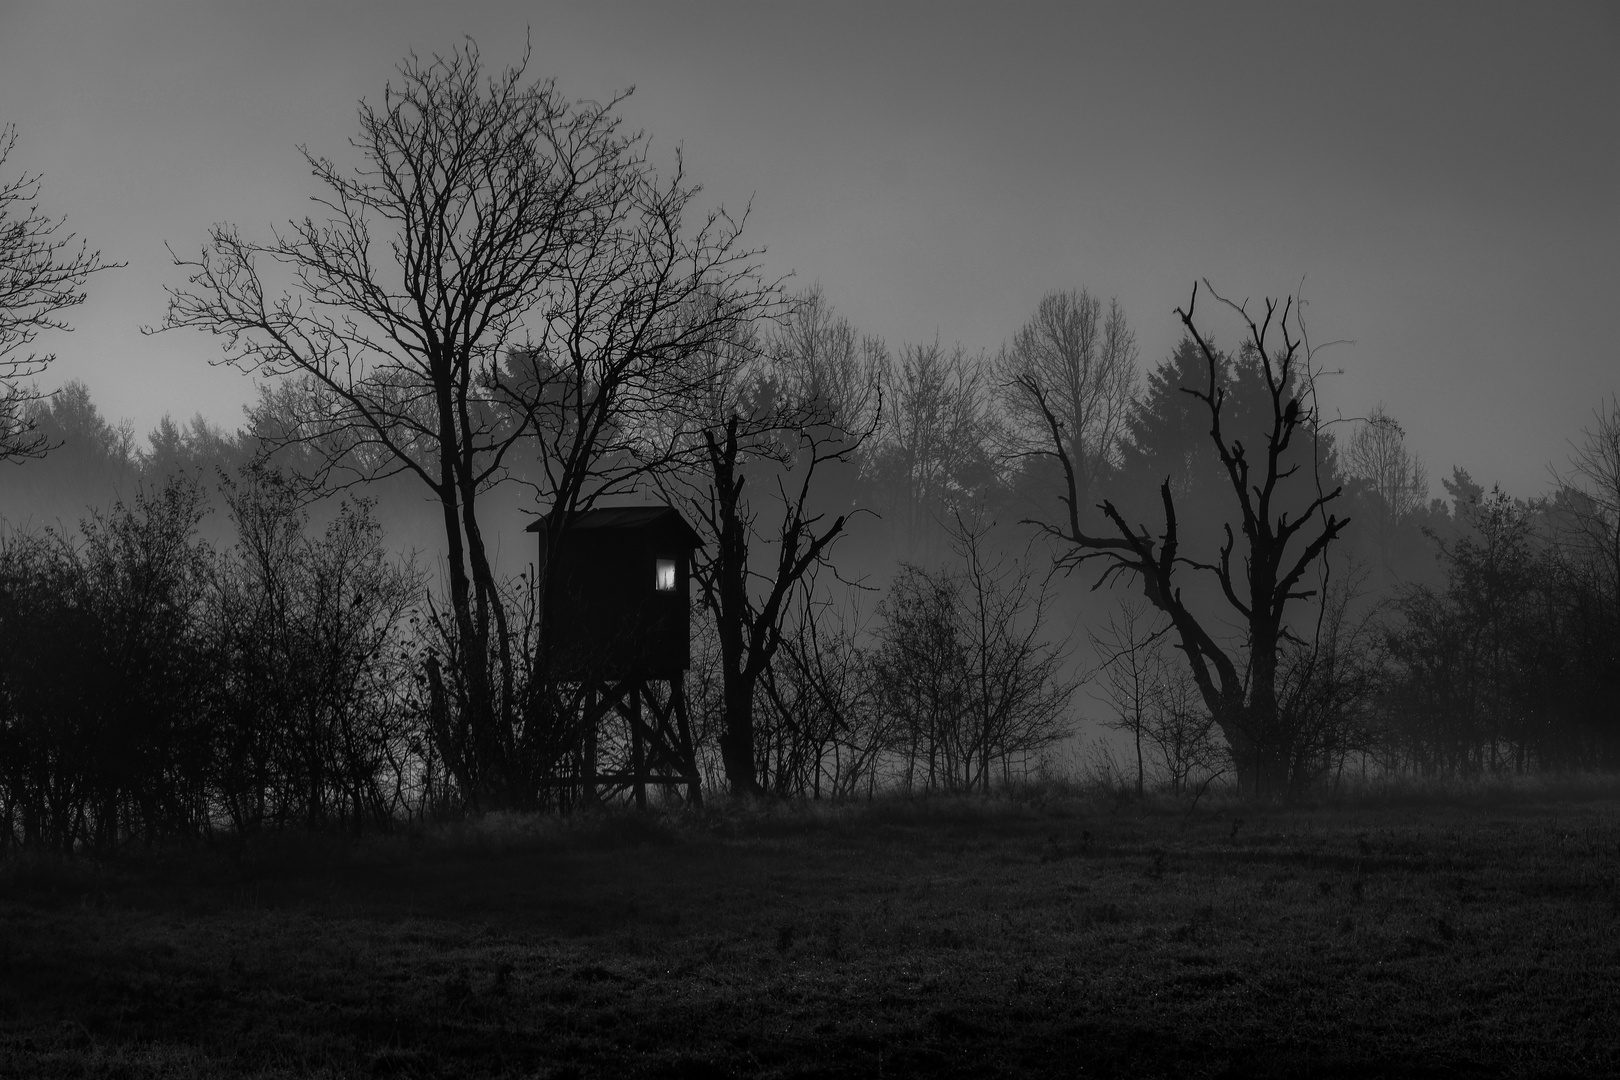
{"points": [[617, 634]]}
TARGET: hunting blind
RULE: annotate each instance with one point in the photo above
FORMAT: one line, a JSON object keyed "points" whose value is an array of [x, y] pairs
{"points": [[616, 631]]}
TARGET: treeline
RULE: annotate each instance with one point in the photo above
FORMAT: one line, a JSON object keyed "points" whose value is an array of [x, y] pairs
{"points": [[913, 555], [159, 684], [155, 686], [1507, 661], [1514, 663]]}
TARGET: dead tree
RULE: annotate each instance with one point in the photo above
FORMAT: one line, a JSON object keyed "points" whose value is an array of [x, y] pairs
{"points": [[1238, 681]]}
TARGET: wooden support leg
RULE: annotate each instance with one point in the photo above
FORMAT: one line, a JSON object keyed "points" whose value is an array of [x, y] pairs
{"points": [[588, 770], [683, 731], [638, 750]]}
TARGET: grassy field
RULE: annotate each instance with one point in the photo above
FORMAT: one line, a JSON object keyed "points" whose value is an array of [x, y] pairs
{"points": [[1430, 937]]}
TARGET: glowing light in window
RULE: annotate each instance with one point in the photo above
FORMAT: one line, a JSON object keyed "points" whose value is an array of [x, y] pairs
{"points": [[665, 579]]}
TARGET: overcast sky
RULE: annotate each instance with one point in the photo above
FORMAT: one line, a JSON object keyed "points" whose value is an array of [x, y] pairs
{"points": [[1444, 178]]}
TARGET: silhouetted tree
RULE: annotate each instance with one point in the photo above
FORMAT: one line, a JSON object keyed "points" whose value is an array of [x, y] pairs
{"points": [[1592, 491], [505, 275], [1083, 359], [749, 572], [107, 679], [1155, 701], [831, 729], [1586, 538], [42, 274], [49, 724], [1393, 480], [314, 725], [1455, 648], [933, 455], [921, 671], [818, 359], [146, 576], [1168, 436], [203, 450], [964, 669], [91, 463], [1018, 688], [1285, 529], [1132, 666]]}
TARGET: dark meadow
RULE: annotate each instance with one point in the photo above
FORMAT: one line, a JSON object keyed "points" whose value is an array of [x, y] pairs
{"points": [[594, 651]]}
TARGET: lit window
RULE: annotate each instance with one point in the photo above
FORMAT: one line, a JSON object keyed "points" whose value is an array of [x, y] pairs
{"points": [[665, 580]]}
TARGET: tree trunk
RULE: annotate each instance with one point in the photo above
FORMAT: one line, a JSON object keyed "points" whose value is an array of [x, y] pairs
{"points": [[737, 740]]}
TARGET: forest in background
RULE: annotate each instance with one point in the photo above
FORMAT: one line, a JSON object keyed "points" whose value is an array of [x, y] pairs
{"points": [[926, 568]]}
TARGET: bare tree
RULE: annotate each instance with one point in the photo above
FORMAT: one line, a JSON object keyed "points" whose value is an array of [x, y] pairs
{"points": [[1019, 690], [505, 274], [1327, 681], [1131, 663], [312, 723], [42, 274], [1239, 681], [825, 690], [934, 443], [1396, 479], [964, 666], [1156, 702], [1180, 732], [1080, 362], [819, 359], [920, 667], [747, 456], [1592, 489], [751, 603]]}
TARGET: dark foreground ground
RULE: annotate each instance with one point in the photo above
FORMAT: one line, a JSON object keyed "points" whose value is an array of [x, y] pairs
{"points": [[946, 939]]}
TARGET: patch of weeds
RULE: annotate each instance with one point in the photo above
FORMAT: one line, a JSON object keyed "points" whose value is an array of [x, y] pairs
{"points": [[1055, 851], [634, 830], [395, 1061], [1103, 914], [684, 1067], [952, 1025], [835, 940], [457, 989], [594, 973], [1419, 945], [1203, 983]]}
